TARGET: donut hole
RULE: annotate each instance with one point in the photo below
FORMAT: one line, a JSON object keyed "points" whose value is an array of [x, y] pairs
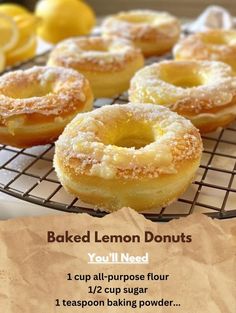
{"points": [[134, 142], [99, 48], [216, 39], [134, 135], [181, 75], [187, 81], [31, 91], [94, 45], [136, 19]]}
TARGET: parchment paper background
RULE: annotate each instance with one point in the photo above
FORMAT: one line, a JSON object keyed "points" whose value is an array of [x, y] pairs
{"points": [[33, 272]]}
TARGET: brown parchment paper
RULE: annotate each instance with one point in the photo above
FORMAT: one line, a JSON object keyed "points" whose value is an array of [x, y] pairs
{"points": [[33, 272]]}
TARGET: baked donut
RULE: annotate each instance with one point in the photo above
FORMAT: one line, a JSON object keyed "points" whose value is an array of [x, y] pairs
{"points": [[202, 91], [129, 155], [109, 64], [36, 104], [215, 45], [155, 33]]}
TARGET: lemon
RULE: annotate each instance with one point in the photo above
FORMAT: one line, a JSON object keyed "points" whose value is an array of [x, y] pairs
{"points": [[61, 19], [9, 33], [25, 49], [2, 61]]}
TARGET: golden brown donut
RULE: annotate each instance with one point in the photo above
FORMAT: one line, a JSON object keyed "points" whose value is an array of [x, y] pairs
{"points": [[214, 45], [109, 64], [154, 32], [36, 104], [129, 155], [202, 91]]}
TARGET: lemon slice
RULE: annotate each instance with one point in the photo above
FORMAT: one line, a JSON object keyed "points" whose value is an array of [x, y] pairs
{"points": [[26, 24], [24, 19], [25, 49], [2, 61], [9, 33], [12, 9]]}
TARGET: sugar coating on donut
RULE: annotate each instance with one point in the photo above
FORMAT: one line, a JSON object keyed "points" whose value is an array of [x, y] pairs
{"points": [[152, 25], [95, 53], [86, 146], [55, 90], [199, 46], [218, 89]]}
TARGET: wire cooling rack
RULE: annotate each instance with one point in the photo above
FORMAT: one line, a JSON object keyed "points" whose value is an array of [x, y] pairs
{"points": [[28, 174]]}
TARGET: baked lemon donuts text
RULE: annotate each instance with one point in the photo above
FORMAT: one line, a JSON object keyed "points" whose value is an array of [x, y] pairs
{"points": [[109, 64], [36, 104], [215, 45], [153, 32], [202, 91], [128, 155]]}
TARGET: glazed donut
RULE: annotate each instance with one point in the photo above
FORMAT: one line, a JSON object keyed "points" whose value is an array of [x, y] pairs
{"points": [[155, 33], [202, 91], [215, 45], [129, 155], [36, 104], [109, 64]]}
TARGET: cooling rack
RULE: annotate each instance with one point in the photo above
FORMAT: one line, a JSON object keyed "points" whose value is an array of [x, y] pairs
{"points": [[28, 174]]}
